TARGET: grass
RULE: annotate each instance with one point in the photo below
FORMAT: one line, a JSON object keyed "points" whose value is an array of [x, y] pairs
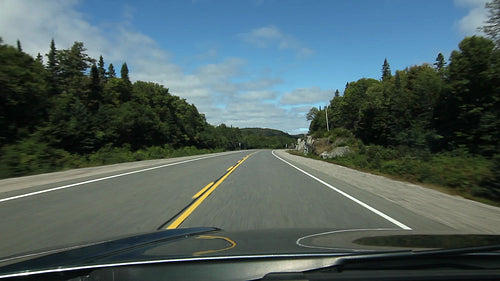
{"points": [[30, 157], [456, 174]]}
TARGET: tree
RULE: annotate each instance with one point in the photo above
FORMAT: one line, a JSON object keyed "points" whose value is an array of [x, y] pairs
{"points": [[440, 63], [126, 88], [111, 71], [312, 113], [53, 68], [39, 58], [337, 93], [23, 100], [52, 59], [19, 46], [73, 64], [386, 70], [472, 104], [101, 69], [95, 94], [124, 72], [492, 27]]}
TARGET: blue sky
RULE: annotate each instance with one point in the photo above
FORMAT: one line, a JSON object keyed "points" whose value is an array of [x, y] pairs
{"points": [[259, 63]]}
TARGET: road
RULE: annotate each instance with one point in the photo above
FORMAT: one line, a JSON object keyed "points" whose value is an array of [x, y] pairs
{"points": [[241, 190]]}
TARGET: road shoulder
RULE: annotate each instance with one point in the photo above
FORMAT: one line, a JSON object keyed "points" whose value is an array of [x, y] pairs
{"points": [[459, 213]]}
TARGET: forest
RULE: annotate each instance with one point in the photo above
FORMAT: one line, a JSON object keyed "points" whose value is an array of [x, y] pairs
{"points": [[437, 124], [66, 110]]}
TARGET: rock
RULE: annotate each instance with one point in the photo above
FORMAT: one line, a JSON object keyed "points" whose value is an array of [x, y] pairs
{"points": [[305, 145], [336, 152]]}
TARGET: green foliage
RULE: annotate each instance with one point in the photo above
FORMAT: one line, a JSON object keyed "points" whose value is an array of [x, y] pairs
{"points": [[23, 94], [31, 157], [463, 173], [386, 70], [73, 113], [411, 122], [492, 27]]}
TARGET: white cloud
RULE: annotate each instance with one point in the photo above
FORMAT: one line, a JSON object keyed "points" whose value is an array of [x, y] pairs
{"points": [[261, 83], [311, 95], [272, 37], [475, 18], [259, 95], [223, 91]]}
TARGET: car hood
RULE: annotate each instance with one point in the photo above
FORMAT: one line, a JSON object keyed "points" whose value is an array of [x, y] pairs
{"points": [[212, 243]]}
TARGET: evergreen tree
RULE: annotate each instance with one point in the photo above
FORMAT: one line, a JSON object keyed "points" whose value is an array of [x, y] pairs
{"points": [[52, 59], [492, 27], [95, 88], [124, 73], [440, 63], [473, 102], [126, 85], [23, 100], [337, 93], [397, 83], [53, 68], [73, 64], [19, 46], [39, 58], [102, 70], [386, 70], [111, 71]]}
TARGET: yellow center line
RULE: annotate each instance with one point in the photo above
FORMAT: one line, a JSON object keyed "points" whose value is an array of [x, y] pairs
{"points": [[203, 190], [230, 168], [204, 196]]}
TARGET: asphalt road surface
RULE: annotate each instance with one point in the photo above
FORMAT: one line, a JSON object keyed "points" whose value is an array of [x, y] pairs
{"points": [[241, 190]]}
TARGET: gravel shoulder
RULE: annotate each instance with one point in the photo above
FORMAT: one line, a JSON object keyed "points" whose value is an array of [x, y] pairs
{"points": [[457, 212]]}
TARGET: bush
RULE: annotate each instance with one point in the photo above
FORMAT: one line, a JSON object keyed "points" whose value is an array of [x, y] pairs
{"points": [[460, 171], [29, 157]]}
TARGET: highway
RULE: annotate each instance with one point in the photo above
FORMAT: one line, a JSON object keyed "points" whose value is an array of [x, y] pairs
{"points": [[242, 190]]}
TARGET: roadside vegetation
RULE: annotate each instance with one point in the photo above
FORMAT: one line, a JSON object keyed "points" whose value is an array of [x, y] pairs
{"points": [[66, 110], [436, 124]]}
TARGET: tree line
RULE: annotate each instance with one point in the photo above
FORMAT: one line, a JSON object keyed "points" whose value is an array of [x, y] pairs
{"points": [[436, 123], [444, 106], [65, 102]]}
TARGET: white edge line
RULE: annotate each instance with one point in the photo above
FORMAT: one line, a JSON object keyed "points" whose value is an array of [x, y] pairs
{"points": [[394, 221], [104, 178]]}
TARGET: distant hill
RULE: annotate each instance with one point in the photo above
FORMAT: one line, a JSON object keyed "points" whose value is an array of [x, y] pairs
{"points": [[265, 132], [266, 138]]}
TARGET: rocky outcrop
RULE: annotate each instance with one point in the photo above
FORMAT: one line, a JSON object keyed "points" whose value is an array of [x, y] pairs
{"points": [[323, 147], [305, 145], [336, 152]]}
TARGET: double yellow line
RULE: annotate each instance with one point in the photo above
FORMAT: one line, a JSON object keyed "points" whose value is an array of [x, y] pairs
{"points": [[201, 195]]}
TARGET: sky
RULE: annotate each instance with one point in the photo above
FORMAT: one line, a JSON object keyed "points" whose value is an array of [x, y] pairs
{"points": [[255, 63]]}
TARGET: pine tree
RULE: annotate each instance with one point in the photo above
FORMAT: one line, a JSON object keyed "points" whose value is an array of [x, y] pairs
{"points": [[53, 68], [111, 71], [126, 91], [39, 58], [101, 69], [337, 93], [440, 63], [124, 72], [397, 83], [19, 46], [52, 58], [492, 27], [95, 88], [386, 70]]}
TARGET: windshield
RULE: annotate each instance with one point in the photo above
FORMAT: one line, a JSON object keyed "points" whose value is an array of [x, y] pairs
{"points": [[302, 126]]}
